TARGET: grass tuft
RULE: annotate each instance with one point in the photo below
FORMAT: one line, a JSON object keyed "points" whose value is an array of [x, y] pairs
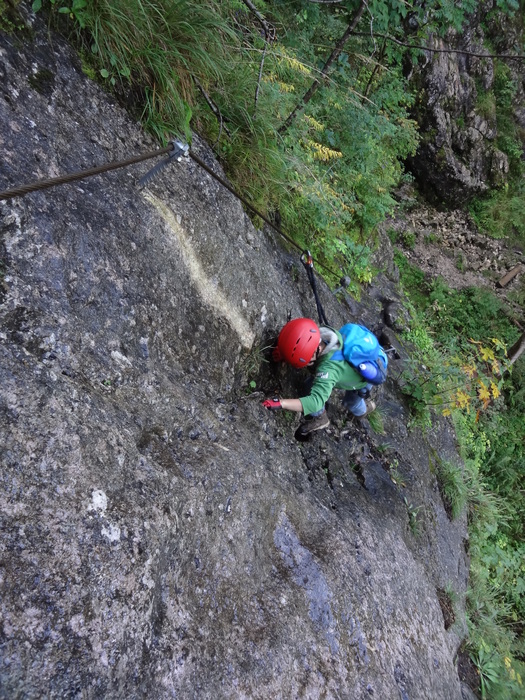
{"points": [[453, 487]]}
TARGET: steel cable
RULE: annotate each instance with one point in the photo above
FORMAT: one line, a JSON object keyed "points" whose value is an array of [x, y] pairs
{"points": [[81, 175], [22, 190]]}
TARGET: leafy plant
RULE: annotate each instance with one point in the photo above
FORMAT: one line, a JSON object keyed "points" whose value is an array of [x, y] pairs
{"points": [[486, 666], [395, 474], [486, 104], [409, 239], [500, 214], [466, 313], [413, 516], [393, 235], [413, 280], [431, 238]]}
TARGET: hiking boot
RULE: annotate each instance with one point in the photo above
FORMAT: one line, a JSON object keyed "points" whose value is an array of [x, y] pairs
{"points": [[312, 423], [370, 406]]}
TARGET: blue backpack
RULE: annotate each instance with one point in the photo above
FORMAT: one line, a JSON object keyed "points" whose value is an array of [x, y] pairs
{"points": [[362, 350]]}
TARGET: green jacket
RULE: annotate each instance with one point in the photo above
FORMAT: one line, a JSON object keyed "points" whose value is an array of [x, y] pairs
{"points": [[330, 374]]}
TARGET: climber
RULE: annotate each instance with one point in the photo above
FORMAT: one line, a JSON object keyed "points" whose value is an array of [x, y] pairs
{"points": [[302, 343]]}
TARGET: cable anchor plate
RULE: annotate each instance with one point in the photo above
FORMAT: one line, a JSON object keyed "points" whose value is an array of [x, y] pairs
{"points": [[178, 151]]}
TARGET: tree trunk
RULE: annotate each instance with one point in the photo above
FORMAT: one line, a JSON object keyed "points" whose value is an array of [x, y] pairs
{"points": [[516, 350], [333, 57]]}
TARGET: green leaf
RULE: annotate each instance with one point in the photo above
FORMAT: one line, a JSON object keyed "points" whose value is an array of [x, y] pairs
{"points": [[187, 118], [37, 5], [104, 73], [64, 10]]}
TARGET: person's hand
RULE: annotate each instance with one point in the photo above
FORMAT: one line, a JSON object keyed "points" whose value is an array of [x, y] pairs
{"points": [[276, 354], [272, 404]]}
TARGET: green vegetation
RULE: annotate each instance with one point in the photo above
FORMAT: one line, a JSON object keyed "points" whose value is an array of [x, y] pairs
{"points": [[460, 369], [376, 421], [453, 487], [487, 668], [408, 239], [500, 213], [10, 20], [395, 474], [413, 517], [252, 366], [240, 75]]}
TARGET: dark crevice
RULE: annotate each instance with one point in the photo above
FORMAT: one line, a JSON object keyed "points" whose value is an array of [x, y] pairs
{"points": [[358, 471], [447, 607], [329, 475]]}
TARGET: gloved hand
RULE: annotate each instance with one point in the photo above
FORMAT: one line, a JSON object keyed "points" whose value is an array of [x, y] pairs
{"points": [[276, 354], [272, 404]]}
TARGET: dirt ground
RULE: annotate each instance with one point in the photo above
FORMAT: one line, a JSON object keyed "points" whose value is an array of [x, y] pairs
{"points": [[448, 244]]}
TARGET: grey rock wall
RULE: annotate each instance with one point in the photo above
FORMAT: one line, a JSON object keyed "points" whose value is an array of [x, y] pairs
{"points": [[160, 534], [458, 157]]}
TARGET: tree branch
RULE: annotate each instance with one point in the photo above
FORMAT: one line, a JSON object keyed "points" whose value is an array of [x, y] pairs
{"points": [[212, 106], [259, 79], [324, 72], [269, 31], [269, 36]]}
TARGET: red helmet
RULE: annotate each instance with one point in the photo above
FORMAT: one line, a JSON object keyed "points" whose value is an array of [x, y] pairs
{"points": [[298, 341]]}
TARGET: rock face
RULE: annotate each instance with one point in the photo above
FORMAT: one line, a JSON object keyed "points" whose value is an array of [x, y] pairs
{"points": [[458, 157], [161, 534]]}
